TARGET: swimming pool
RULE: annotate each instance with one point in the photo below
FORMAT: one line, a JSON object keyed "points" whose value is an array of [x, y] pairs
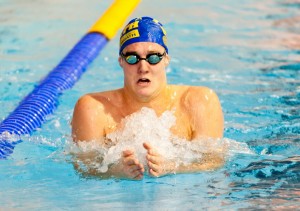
{"points": [[247, 51]]}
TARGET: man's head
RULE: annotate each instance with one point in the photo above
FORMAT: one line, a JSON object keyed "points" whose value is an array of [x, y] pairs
{"points": [[144, 58], [144, 29]]}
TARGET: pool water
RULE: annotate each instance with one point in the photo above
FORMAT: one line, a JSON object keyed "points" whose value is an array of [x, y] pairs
{"points": [[247, 51]]}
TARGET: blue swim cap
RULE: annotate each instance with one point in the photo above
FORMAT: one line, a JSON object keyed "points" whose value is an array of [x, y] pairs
{"points": [[144, 29]]}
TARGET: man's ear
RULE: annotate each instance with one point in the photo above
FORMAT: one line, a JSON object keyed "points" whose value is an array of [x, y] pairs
{"points": [[120, 61], [167, 60]]}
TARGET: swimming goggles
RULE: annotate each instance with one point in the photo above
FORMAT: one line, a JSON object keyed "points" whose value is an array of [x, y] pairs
{"points": [[152, 58]]}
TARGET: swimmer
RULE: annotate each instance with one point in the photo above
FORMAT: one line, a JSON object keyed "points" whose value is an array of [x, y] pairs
{"points": [[143, 56]]}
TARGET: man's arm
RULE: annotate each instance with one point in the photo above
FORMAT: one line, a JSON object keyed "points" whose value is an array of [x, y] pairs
{"points": [[87, 125], [206, 114], [88, 120], [206, 119], [207, 123], [127, 167], [159, 165]]}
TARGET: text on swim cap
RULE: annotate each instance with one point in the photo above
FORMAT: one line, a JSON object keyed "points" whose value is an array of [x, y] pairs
{"points": [[129, 35], [130, 26]]}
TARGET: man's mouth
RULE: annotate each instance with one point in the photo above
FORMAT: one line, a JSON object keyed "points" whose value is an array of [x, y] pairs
{"points": [[143, 81]]}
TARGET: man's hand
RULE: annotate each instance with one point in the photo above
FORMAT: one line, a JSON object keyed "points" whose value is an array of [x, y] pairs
{"points": [[158, 166], [132, 168]]}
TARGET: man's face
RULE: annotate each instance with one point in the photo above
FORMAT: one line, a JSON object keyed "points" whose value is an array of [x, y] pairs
{"points": [[143, 79]]}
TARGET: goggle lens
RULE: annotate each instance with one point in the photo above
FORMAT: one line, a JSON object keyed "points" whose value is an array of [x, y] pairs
{"points": [[153, 58]]}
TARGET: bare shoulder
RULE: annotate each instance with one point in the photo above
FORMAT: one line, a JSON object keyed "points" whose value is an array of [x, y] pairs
{"points": [[204, 110], [96, 101], [88, 102], [193, 95], [90, 115], [87, 105]]}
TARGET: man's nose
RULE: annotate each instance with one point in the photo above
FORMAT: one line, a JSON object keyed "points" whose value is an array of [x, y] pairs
{"points": [[143, 66]]}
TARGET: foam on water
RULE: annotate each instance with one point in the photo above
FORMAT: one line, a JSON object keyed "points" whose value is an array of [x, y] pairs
{"points": [[10, 138], [145, 126]]}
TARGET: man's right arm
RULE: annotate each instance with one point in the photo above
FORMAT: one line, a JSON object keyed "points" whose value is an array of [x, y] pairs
{"points": [[87, 125], [127, 167], [88, 120]]}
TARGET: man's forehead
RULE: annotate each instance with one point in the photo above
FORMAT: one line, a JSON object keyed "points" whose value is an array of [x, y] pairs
{"points": [[143, 46]]}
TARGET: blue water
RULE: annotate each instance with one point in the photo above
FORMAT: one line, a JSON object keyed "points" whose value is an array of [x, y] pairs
{"points": [[247, 51]]}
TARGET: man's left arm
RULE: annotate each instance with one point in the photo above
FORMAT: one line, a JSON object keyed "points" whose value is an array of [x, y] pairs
{"points": [[206, 119], [206, 114], [207, 123]]}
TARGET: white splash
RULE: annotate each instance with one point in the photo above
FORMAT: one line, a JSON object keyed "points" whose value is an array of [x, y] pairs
{"points": [[146, 126], [138, 128]]}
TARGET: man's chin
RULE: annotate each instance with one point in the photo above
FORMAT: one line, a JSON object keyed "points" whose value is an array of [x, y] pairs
{"points": [[144, 94]]}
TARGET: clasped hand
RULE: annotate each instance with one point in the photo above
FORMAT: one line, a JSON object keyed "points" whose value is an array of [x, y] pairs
{"points": [[132, 168]]}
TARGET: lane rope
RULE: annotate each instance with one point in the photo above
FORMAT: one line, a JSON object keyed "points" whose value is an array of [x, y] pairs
{"points": [[31, 112]]}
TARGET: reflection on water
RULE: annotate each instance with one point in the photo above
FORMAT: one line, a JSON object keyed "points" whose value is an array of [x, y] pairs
{"points": [[273, 180], [273, 169], [270, 183]]}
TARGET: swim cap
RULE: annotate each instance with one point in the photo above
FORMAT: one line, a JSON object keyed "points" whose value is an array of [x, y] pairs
{"points": [[144, 29]]}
